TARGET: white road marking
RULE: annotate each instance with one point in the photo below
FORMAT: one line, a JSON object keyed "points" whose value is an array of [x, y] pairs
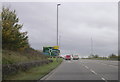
{"points": [[93, 72], [87, 67], [109, 65], [69, 61], [103, 78], [113, 65]]}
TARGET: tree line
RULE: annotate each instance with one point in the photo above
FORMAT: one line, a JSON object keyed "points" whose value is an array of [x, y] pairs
{"points": [[12, 37], [111, 56]]}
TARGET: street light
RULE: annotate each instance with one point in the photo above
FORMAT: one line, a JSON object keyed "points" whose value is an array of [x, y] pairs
{"points": [[57, 28], [92, 46], [57, 25]]}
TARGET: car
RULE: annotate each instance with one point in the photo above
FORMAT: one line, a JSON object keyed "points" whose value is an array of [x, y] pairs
{"points": [[75, 57], [68, 57]]}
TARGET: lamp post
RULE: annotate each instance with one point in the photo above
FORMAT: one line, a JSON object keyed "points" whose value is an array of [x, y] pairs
{"points": [[57, 25], [57, 29], [92, 46]]}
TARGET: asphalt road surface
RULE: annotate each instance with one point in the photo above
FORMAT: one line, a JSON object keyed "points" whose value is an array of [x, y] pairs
{"points": [[84, 69]]}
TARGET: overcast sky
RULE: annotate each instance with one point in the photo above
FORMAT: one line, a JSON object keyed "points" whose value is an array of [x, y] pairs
{"points": [[78, 22]]}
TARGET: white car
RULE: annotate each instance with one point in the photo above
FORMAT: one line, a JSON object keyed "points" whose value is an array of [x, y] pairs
{"points": [[75, 57]]}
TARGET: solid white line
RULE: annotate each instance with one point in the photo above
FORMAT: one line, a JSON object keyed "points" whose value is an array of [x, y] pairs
{"points": [[49, 75]]}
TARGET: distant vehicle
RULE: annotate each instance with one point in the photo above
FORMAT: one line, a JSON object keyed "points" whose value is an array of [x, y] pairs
{"points": [[75, 57], [68, 57]]}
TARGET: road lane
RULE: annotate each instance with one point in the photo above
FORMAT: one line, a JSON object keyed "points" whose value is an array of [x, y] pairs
{"points": [[85, 70], [73, 70], [106, 69]]}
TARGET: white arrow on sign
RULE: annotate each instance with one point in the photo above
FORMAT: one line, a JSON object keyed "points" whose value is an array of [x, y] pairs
{"points": [[50, 51]]}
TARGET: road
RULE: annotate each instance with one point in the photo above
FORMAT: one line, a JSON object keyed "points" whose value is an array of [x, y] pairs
{"points": [[84, 69]]}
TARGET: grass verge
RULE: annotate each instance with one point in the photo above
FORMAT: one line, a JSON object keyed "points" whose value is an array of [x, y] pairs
{"points": [[11, 57], [36, 72]]}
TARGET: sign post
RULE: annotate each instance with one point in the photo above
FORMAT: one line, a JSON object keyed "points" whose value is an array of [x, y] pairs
{"points": [[57, 47]]}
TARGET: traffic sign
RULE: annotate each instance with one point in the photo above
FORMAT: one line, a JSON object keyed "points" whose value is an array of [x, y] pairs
{"points": [[56, 47], [51, 51]]}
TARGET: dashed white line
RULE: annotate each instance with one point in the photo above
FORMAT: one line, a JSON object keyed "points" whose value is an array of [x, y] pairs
{"points": [[93, 72], [103, 78], [87, 67]]}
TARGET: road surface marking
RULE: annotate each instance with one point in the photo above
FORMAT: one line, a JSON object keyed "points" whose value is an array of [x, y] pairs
{"points": [[113, 65], [103, 78], [110, 65], [87, 67], [66, 61], [50, 74], [69, 61], [93, 72]]}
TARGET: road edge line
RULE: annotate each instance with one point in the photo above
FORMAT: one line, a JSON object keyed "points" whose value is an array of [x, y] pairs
{"points": [[50, 73]]}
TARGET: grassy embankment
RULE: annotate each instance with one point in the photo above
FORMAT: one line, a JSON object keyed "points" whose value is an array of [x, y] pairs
{"points": [[35, 73], [11, 57]]}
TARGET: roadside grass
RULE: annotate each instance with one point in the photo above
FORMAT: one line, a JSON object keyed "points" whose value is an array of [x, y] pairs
{"points": [[10, 57], [35, 73]]}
